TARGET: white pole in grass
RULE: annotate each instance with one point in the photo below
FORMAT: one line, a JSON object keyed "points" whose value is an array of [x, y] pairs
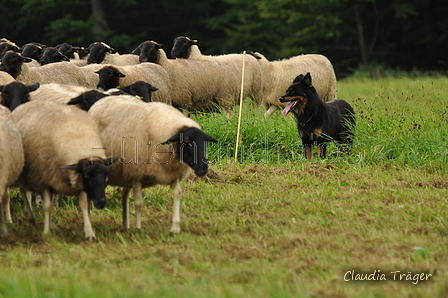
{"points": [[240, 111]]}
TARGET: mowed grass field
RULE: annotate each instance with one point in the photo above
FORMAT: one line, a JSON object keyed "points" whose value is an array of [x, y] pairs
{"points": [[272, 224]]}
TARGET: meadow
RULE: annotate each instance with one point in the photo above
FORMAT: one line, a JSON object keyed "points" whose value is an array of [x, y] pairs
{"points": [[271, 224]]}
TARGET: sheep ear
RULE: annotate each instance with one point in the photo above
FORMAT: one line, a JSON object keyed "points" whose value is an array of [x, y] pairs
{"points": [[121, 75], [196, 42], [160, 46], [75, 100], [175, 138], [33, 87], [74, 167], [209, 138], [26, 59], [110, 160], [153, 88]]}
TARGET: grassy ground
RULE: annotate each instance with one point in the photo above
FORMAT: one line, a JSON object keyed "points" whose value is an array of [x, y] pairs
{"points": [[274, 225]]}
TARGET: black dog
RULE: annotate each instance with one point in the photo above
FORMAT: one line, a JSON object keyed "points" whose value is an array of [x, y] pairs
{"points": [[318, 122]]}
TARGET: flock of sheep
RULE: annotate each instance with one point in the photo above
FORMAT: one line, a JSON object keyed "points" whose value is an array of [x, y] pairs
{"points": [[74, 120]]}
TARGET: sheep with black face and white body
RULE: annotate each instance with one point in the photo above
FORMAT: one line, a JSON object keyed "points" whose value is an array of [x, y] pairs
{"points": [[11, 163], [100, 52], [77, 55], [16, 93], [7, 45], [63, 154], [110, 76], [52, 55], [140, 89], [186, 48], [197, 84], [157, 145], [61, 72], [33, 50]]}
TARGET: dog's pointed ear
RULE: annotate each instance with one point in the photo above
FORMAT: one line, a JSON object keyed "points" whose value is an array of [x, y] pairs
{"points": [[307, 79], [298, 78]]}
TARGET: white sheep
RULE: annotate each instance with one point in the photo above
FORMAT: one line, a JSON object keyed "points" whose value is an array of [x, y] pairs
{"points": [[99, 52], [184, 47], [278, 75], [63, 154], [157, 145], [197, 84], [11, 163]]}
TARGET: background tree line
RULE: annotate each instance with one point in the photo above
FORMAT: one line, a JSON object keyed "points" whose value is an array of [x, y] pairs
{"points": [[403, 34]]}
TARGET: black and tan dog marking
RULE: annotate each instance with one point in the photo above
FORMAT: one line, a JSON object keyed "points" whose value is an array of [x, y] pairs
{"points": [[318, 122]]}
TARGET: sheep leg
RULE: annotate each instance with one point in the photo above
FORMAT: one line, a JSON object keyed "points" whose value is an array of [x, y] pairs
{"points": [[270, 111], [84, 205], [138, 203], [29, 214], [177, 193], [3, 230], [125, 207], [47, 210], [7, 206]]}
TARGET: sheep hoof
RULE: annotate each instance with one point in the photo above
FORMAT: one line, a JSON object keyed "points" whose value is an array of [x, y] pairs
{"points": [[175, 230], [91, 238]]}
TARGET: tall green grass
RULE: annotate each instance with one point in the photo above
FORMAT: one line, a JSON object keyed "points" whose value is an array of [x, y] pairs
{"points": [[400, 120]]}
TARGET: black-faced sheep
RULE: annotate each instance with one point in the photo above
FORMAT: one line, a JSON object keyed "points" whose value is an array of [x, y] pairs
{"points": [[186, 48], [140, 89], [63, 154], [197, 84], [277, 76], [52, 55], [158, 145], [60, 72], [72, 52], [7, 45], [15, 94], [11, 163], [77, 55], [99, 52], [32, 50], [111, 76]]}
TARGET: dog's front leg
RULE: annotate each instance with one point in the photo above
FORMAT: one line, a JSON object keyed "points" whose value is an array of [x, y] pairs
{"points": [[308, 150], [322, 150]]}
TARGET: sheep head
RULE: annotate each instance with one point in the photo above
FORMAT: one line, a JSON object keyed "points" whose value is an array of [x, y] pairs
{"points": [[192, 148], [182, 47], [92, 172], [15, 94]]}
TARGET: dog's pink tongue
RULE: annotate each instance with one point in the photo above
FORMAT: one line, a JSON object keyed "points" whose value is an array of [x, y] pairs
{"points": [[288, 108]]}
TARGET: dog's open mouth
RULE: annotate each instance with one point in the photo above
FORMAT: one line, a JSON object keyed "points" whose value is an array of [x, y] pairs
{"points": [[291, 105]]}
